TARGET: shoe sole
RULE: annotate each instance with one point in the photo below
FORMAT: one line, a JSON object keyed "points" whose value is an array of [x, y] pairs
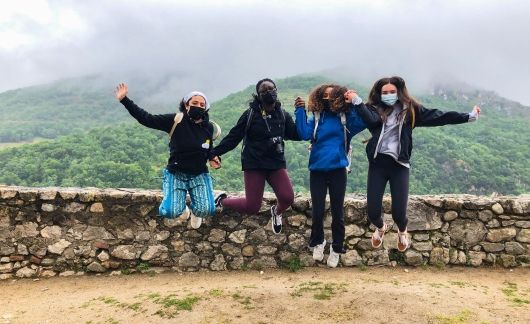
{"points": [[332, 266], [319, 260], [376, 246], [272, 223]]}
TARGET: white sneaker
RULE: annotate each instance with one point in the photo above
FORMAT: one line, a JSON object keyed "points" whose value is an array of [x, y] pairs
{"points": [[195, 221], [318, 251], [333, 258], [185, 215]]}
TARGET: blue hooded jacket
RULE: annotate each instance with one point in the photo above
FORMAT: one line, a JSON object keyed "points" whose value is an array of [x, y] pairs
{"points": [[328, 151]]}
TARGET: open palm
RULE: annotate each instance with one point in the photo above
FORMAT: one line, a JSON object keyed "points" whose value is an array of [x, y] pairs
{"points": [[121, 91]]}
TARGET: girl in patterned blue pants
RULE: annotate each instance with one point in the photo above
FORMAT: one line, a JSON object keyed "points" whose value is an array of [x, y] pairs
{"points": [[191, 135], [175, 188]]}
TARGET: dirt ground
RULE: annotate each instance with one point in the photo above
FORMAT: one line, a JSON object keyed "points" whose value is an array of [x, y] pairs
{"points": [[312, 295]]}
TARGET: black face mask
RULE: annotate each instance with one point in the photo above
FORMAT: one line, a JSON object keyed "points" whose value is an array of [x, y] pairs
{"points": [[269, 97], [196, 113], [325, 104]]}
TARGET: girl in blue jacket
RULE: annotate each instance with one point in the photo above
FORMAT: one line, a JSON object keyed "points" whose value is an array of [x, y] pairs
{"points": [[330, 128]]}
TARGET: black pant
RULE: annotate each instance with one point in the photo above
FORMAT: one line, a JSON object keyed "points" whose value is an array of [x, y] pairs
{"points": [[319, 183], [385, 169]]}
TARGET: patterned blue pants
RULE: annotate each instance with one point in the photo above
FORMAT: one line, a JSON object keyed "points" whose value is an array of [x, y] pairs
{"points": [[176, 186]]}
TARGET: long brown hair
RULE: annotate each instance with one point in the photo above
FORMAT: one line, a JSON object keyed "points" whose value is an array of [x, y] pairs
{"points": [[411, 104], [336, 98]]}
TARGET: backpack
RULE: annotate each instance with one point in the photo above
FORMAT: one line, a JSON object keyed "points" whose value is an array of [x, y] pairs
{"points": [[347, 147], [178, 119]]}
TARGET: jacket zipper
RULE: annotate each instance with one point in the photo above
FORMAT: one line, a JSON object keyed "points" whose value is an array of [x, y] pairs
{"points": [[399, 133], [379, 140]]}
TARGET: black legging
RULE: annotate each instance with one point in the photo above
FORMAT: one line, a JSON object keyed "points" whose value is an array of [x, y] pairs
{"points": [[385, 169], [319, 183]]}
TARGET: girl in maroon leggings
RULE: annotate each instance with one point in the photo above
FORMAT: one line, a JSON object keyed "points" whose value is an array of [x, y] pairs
{"points": [[263, 128]]}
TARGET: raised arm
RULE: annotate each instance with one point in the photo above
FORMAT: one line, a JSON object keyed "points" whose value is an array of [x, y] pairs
{"points": [[304, 126], [368, 114], [160, 122], [291, 132], [355, 123]]}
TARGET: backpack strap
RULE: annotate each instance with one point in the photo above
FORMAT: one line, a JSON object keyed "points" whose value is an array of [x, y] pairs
{"points": [[413, 115], [250, 114], [347, 147], [178, 119], [316, 114], [216, 130]]}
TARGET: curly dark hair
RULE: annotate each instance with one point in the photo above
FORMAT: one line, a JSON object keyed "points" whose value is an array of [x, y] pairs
{"points": [[337, 101], [316, 97], [336, 98]]}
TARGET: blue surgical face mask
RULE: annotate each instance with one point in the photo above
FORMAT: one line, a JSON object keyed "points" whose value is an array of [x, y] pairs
{"points": [[389, 99]]}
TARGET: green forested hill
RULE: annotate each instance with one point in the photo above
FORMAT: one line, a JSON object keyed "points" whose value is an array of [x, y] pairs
{"points": [[489, 156]]}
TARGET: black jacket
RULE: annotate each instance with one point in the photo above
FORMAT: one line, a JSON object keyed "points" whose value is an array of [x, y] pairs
{"points": [[423, 118], [190, 143], [258, 151]]}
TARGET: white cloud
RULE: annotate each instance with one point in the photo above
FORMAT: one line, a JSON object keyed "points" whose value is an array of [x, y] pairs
{"points": [[232, 43]]}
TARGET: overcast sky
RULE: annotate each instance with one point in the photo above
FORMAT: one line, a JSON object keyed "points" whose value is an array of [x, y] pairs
{"points": [[223, 46]]}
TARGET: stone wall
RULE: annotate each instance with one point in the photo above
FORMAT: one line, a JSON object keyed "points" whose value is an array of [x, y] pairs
{"points": [[71, 231]]}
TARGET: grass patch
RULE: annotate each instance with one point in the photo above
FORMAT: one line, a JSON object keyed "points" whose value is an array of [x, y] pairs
{"points": [[294, 264], [438, 285], [512, 294], [395, 255], [143, 266], [461, 317], [216, 293], [320, 290], [171, 301], [173, 305], [108, 300], [153, 296], [461, 284], [135, 306], [243, 300]]}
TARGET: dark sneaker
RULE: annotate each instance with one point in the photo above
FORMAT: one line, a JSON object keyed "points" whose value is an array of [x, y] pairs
{"points": [[219, 199], [276, 221]]}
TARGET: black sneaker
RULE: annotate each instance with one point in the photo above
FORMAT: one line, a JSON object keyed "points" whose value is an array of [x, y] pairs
{"points": [[219, 199], [276, 221]]}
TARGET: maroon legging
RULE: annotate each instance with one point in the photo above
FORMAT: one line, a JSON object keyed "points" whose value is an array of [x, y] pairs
{"points": [[254, 187]]}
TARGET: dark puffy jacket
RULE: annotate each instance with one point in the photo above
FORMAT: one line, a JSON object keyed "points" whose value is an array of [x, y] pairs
{"points": [[190, 143], [258, 151], [423, 118]]}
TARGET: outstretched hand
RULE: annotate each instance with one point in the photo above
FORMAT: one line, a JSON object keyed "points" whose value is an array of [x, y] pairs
{"points": [[121, 91], [476, 110], [350, 96], [215, 163], [299, 102]]}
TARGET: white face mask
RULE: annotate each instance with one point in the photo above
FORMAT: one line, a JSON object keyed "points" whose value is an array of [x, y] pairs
{"points": [[389, 99]]}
